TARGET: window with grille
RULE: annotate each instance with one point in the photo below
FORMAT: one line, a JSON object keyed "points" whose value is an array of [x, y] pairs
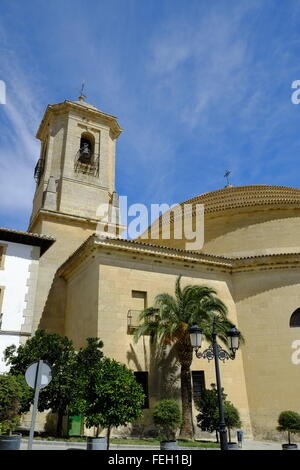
{"points": [[198, 380], [137, 305]]}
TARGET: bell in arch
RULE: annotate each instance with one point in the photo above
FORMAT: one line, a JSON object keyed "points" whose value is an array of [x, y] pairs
{"points": [[85, 151]]}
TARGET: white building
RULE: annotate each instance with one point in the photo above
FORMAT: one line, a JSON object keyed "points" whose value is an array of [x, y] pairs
{"points": [[19, 263]]}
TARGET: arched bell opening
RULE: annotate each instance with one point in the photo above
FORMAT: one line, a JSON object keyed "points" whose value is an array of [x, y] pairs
{"points": [[86, 149], [86, 161]]}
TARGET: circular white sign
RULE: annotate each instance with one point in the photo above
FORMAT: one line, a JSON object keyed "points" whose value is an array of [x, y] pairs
{"points": [[30, 375]]}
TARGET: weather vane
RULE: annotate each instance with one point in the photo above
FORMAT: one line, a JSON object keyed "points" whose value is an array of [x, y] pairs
{"points": [[82, 96], [226, 175]]}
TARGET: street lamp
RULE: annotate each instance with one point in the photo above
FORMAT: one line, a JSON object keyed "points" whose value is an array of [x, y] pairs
{"points": [[216, 352]]}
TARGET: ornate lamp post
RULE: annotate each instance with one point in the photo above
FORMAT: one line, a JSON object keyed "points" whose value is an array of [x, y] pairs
{"points": [[216, 352]]}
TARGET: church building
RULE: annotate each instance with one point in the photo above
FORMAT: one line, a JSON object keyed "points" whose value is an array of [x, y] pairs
{"points": [[90, 285]]}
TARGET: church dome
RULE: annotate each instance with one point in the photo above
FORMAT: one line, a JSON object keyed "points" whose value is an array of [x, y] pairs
{"points": [[244, 221], [233, 197], [251, 220]]}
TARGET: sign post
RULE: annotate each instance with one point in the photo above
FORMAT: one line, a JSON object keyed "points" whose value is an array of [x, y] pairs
{"points": [[37, 376]]}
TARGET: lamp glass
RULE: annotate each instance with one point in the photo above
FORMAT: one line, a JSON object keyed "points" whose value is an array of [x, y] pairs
{"points": [[196, 337], [234, 339]]}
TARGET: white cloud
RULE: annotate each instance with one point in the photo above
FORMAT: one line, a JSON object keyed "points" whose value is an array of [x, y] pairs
{"points": [[19, 150]]}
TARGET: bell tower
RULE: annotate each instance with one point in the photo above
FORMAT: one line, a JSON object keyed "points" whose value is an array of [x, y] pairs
{"points": [[74, 175], [76, 169]]}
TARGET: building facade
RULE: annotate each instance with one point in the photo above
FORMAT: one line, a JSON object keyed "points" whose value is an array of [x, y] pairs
{"points": [[91, 285], [19, 263]]}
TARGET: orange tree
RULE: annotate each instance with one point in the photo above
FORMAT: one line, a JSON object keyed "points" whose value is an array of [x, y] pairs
{"points": [[169, 319]]}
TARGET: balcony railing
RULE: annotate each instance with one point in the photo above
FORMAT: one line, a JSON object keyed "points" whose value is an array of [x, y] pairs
{"points": [[39, 170], [86, 163], [133, 321]]}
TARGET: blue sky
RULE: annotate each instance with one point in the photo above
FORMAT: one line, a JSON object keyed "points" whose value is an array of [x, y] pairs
{"points": [[198, 87]]}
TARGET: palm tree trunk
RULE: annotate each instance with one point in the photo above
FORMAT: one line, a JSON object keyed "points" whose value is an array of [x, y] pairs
{"points": [[187, 427]]}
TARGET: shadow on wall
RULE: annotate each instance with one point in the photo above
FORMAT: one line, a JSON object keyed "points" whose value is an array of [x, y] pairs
{"points": [[159, 358], [53, 317], [249, 284]]}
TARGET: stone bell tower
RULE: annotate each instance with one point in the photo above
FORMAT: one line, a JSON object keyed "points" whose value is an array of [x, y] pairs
{"points": [[75, 174]]}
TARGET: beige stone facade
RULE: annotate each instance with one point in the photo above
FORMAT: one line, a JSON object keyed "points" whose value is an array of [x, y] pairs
{"points": [[92, 286], [69, 192]]}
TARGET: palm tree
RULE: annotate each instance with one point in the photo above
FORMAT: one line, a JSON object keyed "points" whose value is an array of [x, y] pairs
{"points": [[169, 320]]}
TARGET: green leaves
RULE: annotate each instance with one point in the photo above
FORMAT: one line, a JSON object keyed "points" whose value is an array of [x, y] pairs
{"points": [[167, 416], [102, 389], [170, 317], [59, 353], [208, 419], [10, 402], [289, 421], [109, 395]]}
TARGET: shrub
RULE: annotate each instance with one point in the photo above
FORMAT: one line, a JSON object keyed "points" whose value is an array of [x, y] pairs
{"points": [[167, 416], [232, 417], [289, 421], [208, 419]]}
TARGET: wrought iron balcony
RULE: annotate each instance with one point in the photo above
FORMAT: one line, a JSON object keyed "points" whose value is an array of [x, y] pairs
{"points": [[133, 321], [39, 170], [86, 162]]}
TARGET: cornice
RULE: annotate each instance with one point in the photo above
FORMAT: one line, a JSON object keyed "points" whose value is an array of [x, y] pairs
{"points": [[215, 263], [63, 216], [82, 108], [27, 238]]}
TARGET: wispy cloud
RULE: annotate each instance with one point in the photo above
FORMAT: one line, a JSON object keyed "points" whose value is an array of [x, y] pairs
{"points": [[19, 149], [197, 88], [215, 83]]}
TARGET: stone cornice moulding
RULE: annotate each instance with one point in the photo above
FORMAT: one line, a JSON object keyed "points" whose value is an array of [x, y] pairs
{"points": [[62, 215], [67, 105]]}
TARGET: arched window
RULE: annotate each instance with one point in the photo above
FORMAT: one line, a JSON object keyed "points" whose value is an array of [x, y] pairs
{"points": [[86, 149], [295, 319], [86, 161]]}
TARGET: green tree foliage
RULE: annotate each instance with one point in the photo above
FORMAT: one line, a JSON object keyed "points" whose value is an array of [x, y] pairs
{"points": [[87, 361], [231, 417], [289, 421], [27, 393], [10, 402], [110, 396], [169, 320], [167, 416], [208, 418], [59, 353]]}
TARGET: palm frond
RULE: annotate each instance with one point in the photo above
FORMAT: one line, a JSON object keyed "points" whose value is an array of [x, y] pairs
{"points": [[171, 316]]}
